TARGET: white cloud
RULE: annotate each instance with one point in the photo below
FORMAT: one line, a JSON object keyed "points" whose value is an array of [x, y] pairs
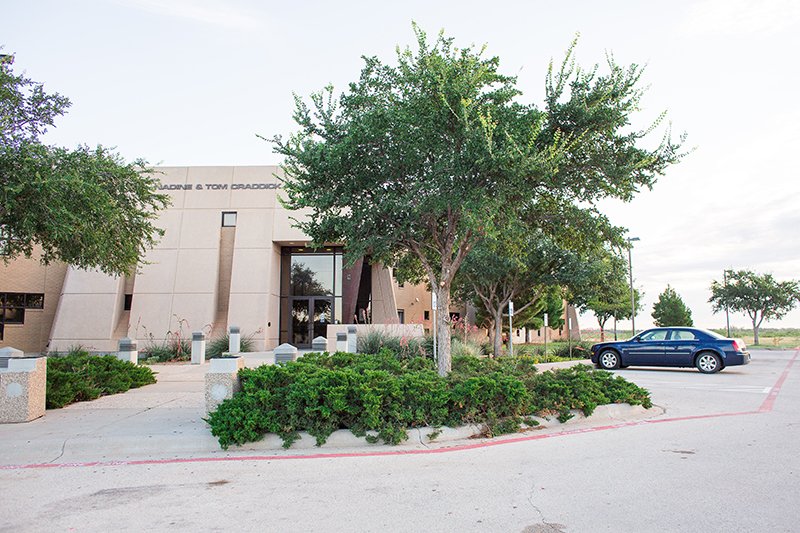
{"points": [[217, 13], [735, 17]]}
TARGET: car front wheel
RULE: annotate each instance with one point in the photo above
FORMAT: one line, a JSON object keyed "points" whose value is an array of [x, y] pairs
{"points": [[708, 363], [609, 360]]}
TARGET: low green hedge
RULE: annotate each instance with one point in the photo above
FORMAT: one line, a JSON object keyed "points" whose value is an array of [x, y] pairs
{"points": [[321, 393], [78, 377]]}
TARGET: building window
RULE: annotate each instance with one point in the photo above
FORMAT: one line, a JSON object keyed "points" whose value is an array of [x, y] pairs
{"points": [[229, 219], [316, 292], [13, 305], [427, 315], [128, 302], [401, 316]]}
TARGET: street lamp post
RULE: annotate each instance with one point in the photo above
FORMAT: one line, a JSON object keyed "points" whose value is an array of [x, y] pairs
{"points": [[727, 314], [630, 272]]}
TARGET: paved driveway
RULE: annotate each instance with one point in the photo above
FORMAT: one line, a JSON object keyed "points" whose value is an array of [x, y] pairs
{"points": [[723, 457]]}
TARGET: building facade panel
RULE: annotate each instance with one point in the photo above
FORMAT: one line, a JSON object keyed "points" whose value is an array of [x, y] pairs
{"points": [[230, 255]]}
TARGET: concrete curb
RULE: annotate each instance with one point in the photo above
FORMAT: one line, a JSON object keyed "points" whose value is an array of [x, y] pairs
{"points": [[165, 421], [201, 443]]}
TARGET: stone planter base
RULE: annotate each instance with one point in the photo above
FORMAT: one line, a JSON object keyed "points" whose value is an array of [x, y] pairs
{"points": [[222, 381], [22, 389]]}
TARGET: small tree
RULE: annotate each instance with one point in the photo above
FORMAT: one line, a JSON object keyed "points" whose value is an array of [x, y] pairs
{"points": [[760, 296], [670, 310], [430, 156], [83, 207], [614, 303]]}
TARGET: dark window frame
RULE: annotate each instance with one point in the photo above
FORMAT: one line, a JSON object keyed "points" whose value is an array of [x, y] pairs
{"points": [[235, 219], [18, 302]]}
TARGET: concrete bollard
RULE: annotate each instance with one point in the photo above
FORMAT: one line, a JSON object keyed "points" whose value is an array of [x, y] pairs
{"points": [[352, 339], [285, 353], [23, 386], [320, 344], [127, 350], [341, 341], [198, 348], [8, 353], [234, 340], [222, 381]]}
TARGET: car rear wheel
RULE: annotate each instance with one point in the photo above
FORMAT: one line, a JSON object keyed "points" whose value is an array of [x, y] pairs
{"points": [[608, 360], [708, 363]]}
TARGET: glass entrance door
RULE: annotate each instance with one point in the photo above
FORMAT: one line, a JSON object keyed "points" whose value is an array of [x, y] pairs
{"points": [[310, 319]]}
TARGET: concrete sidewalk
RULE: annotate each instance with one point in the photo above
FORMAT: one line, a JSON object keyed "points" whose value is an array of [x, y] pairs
{"points": [[165, 421]]}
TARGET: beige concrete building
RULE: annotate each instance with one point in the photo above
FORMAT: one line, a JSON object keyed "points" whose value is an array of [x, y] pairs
{"points": [[229, 255]]}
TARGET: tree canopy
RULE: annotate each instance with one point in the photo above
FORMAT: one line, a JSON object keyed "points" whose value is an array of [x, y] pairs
{"points": [[430, 156], [670, 310], [85, 207], [759, 295]]}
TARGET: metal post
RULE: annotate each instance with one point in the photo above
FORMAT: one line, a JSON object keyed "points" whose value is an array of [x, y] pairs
{"points": [[630, 271], [433, 308], [545, 337], [569, 334], [510, 328], [727, 314]]}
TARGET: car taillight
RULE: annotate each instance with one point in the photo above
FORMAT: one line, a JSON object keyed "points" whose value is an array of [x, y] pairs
{"points": [[738, 345]]}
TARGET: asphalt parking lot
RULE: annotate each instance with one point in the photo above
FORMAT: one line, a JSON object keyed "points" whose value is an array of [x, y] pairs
{"points": [[721, 456]]}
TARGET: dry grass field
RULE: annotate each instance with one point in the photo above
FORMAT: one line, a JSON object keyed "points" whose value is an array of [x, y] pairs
{"points": [[785, 339]]}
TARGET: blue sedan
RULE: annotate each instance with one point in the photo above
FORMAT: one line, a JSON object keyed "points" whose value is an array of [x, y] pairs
{"points": [[681, 347]]}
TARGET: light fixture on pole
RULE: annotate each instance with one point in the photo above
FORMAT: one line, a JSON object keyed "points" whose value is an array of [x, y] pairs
{"points": [[630, 272]]}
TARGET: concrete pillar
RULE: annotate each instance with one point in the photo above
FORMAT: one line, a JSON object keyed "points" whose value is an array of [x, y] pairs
{"points": [[23, 386], [222, 381], [341, 341], [234, 342], [352, 343], [320, 344], [7, 353], [127, 350], [198, 348], [285, 353]]}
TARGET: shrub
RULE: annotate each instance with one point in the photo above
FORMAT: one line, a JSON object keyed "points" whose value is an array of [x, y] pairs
{"points": [[169, 350], [219, 345], [556, 351], [78, 376], [374, 340], [388, 394]]}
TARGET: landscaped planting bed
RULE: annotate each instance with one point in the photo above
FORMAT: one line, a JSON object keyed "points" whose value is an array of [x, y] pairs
{"points": [[321, 393], [79, 376]]}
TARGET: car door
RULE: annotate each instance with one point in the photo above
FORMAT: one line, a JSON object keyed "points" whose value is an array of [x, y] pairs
{"points": [[646, 349], [680, 347]]}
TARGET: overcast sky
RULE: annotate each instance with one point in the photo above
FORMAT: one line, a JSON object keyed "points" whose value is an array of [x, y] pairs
{"points": [[191, 82]]}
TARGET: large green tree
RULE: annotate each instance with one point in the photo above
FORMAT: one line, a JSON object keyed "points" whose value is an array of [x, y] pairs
{"points": [[759, 295], [85, 207], [429, 156], [670, 310]]}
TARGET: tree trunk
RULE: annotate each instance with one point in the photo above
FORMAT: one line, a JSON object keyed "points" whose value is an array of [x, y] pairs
{"points": [[443, 365], [498, 334], [755, 332]]}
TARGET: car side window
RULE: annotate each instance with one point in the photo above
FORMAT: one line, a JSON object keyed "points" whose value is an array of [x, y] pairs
{"points": [[680, 335], [658, 335]]}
